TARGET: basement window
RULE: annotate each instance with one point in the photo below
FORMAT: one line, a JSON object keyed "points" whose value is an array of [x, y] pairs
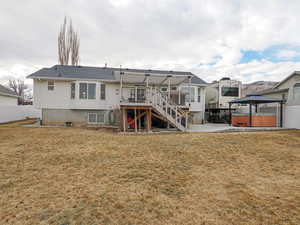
{"points": [[50, 85], [96, 117]]}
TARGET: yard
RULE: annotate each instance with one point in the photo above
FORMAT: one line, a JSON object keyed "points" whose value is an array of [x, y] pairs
{"points": [[79, 176]]}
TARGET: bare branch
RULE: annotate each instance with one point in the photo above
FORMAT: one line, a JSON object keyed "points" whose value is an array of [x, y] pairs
{"points": [[68, 44]]}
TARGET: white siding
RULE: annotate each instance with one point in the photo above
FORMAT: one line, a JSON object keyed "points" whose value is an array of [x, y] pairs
{"points": [[7, 100], [60, 97]]}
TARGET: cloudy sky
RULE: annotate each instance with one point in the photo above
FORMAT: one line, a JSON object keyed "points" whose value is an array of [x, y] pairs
{"points": [[248, 40]]}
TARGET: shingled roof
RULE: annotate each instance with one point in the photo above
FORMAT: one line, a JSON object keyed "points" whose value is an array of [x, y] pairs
{"points": [[100, 73], [6, 91]]}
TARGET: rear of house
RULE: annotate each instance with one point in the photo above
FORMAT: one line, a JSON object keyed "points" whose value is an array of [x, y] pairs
{"points": [[288, 90], [126, 98]]}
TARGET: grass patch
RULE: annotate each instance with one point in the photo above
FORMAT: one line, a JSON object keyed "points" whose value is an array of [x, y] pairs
{"points": [[79, 176]]}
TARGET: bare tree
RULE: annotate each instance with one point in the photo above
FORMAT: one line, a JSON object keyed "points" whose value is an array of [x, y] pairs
{"points": [[68, 44], [18, 86]]}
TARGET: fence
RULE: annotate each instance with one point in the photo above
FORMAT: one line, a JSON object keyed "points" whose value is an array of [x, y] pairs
{"points": [[10, 113], [292, 116]]}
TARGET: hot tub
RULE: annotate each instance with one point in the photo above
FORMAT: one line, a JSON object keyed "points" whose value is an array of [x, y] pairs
{"points": [[258, 120]]}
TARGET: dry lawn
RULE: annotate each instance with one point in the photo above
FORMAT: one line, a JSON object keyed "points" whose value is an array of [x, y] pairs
{"points": [[77, 176]]}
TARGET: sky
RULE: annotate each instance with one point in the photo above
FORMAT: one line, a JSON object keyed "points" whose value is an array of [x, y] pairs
{"points": [[248, 40]]}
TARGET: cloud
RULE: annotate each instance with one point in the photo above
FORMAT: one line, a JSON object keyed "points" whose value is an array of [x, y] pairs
{"points": [[206, 37], [287, 54]]}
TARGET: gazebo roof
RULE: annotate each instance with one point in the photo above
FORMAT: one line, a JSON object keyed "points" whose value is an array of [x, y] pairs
{"points": [[255, 99]]}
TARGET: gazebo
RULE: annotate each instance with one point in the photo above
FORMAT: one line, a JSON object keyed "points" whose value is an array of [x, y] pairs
{"points": [[255, 100]]}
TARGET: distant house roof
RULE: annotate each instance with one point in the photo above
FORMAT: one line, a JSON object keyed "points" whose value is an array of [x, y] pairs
{"points": [[255, 99], [7, 92], [272, 91], [100, 73], [285, 79]]}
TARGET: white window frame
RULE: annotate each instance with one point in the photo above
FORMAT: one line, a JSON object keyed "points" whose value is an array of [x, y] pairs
{"points": [[51, 86], [87, 90], [193, 90], [296, 87], [100, 89], [73, 97], [97, 116]]}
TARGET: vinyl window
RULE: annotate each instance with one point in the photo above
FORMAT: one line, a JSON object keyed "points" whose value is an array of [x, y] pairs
{"points": [[230, 91], [102, 91], [96, 117], [87, 91], [73, 89], [296, 91], [189, 93], [50, 85], [199, 94]]}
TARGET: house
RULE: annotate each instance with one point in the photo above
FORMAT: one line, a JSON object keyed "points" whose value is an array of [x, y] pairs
{"points": [[218, 96], [289, 90], [7, 96], [133, 99]]}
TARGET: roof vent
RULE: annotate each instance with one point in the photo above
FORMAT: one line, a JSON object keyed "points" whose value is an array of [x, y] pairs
{"points": [[105, 65]]}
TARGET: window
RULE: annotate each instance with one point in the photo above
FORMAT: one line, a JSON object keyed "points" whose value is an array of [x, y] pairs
{"points": [[73, 86], [92, 117], [96, 117], [230, 91], [296, 91], [83, 90], [91, 91], [50, 85], [164, 89], [189, 93], [102, 91], [199, 94], [87, 91]]}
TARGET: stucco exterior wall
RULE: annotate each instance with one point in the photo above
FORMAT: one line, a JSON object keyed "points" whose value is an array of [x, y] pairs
{"points": [[7, 100]]}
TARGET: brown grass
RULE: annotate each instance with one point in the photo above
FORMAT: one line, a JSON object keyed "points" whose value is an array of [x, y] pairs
{"points": [[78, 176], [18, 123]]}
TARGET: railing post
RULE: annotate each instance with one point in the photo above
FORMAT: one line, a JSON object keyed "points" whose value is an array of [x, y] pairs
{"points": [[176, 114]]}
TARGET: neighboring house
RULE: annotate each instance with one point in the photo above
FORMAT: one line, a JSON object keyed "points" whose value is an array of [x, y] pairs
{"points": [[289, 90], [129, 98], [7, 96], [218, 94]]}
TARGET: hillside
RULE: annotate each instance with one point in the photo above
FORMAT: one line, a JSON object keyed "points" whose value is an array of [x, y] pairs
{"points": [[257, 86]]}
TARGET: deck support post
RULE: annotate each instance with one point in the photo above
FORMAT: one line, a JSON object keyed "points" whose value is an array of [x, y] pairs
{"points": [[124, 119], [139, 118], [149, 120], [281, 114], [135, 121], [230, 116], [250, 114]]}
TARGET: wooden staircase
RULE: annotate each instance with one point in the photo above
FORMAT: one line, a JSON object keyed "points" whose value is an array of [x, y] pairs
{"points": [[169, 111]]}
